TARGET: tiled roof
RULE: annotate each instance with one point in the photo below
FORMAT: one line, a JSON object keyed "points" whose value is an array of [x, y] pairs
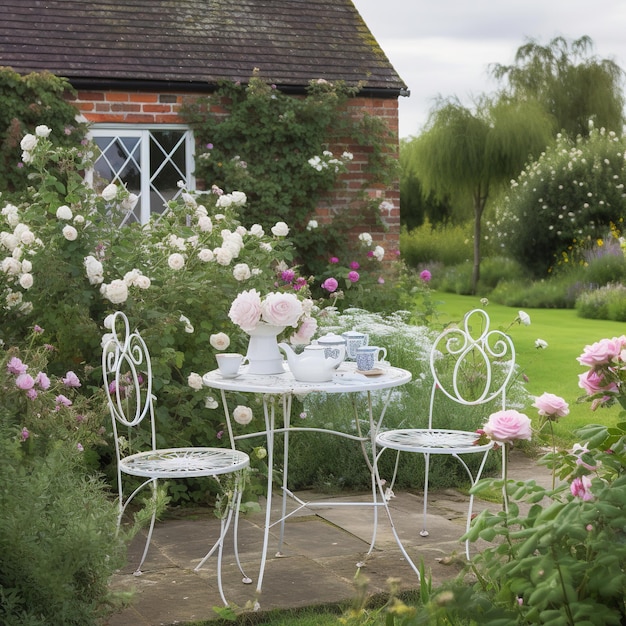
{"points": [[194, 41]]}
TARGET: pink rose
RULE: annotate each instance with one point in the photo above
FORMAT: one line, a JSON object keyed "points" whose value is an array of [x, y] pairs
{"points": [[353, 276], [15, 366], [281, 309], [602, 352], [507, 426], [42, 381], [581, 488], [245, 310], [330, 284], [593, 382], [550, 405], [303, 336], [425, 275], [71, 380]]}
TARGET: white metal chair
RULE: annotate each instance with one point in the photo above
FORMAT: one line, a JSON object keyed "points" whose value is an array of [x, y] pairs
{"points": [[470, 365], [127, 373]]}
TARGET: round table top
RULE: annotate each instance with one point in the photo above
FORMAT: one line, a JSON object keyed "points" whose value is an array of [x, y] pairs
{"points": [[345, 380]]}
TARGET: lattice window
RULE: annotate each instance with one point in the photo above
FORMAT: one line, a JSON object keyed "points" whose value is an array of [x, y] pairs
{"points": [[149, 161]]}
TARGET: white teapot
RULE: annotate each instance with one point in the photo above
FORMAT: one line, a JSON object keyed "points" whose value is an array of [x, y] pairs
{"points": [[312, 366]]}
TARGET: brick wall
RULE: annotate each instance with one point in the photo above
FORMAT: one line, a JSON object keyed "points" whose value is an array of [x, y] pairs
{"points": [[123, 107]]}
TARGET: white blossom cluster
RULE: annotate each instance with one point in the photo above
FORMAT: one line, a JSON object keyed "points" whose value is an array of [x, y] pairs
{"points": [[327, 161]]}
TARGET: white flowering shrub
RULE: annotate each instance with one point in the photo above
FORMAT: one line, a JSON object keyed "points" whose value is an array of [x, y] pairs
{"points": [[66, 264], [561, 204]]}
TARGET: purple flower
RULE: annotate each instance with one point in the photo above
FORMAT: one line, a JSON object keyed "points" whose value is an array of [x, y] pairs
{"points": [[79, 447], [42, 381], [353, 276], [25, 434], [80, 418], [425, 275], [15, 366], [71, 380], [209, 146], [31, 394], [354, 265], [381, 280], [300, 282], [219, 434], [581, 488], [334, 259], [330, 284], [37, 329], [25, 382], [61, 400], [287, 276]]}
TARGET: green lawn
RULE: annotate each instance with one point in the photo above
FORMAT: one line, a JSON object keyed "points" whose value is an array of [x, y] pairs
{"points": [[554, 369]]}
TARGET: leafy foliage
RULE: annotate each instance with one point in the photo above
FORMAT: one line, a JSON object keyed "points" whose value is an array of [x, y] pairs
{"points": [[27, 101], [261, 141]]}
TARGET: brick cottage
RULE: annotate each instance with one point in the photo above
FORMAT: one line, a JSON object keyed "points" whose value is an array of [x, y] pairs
{"points": [[134, 63]]}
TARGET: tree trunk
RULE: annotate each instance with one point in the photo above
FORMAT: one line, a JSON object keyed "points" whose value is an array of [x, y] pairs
{"points": [[479, 206]]}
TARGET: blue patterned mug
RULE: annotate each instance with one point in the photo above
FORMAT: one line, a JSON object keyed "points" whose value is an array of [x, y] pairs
{"points": [[368, 356]]}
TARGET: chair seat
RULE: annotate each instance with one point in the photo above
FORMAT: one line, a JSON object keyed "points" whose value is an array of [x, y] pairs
{"points": [[184, 462], [432, 441]]}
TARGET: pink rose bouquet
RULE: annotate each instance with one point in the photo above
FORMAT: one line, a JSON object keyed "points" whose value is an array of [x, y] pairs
{"points": [[276, 309]]}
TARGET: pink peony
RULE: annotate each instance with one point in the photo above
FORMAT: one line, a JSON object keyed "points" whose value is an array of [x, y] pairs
{"points": [[71, 380], [581, 488], [281, 309], [602, 352], [549, 405], [245, 310], [307, 329], [25, 382], [425, 275], [15, 366], [507, 426], [42, 381], [330, 284], [353, 276], [593, 382]]}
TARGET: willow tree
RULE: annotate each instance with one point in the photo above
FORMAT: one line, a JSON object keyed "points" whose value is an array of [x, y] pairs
{"points": [[465, 153], [573, 85]]}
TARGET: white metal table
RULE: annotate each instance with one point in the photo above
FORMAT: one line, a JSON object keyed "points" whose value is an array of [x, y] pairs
{"points": [[280, 389]]}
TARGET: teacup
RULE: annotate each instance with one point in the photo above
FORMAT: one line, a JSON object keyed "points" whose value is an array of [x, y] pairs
{"points": [[367, 357], [354, 340], [229, 363]]}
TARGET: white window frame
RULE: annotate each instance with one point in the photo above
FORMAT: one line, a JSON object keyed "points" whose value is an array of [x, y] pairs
{"points": [[143, 132]]}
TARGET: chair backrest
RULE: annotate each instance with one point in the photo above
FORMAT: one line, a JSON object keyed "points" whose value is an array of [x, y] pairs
{"points": [[471, 364], [127, 374]]}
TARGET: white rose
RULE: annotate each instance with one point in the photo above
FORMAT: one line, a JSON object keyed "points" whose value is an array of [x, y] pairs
{"points": [[224, 201], [42, 131], [64, 212], [70, 233], [108, 321], [94, 269], [27, 266], [106, 338], [210, 402], [242, 415], [312, 225], [176, 261], [131, 277], [185, 320], [116, 291], [143, 282], [11, 266], [188, 199], [79, 219], [9, 241], [195, 381], [366, 238], [524, 318], [223, 256], [241, 271], [280, 229], [220, 341], [27, 237], [205, 255], [257, 230], [109, 192], [130, 201], [266, 247], [28, 142], [26, 281], [205, 224], [201, 211], [239, 198]]}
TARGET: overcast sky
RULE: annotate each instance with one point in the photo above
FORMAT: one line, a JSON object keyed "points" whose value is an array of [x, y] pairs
{"points": [[444, 47]]}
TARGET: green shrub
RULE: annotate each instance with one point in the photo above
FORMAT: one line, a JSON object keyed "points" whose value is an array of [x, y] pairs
{"points": [[455, 279], [553, 293], [605, 269], [450, 245], [606, 303], [572, 195], [495, 269]]}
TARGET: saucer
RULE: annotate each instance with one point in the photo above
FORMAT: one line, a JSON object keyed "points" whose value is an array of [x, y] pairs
{"points": [[373, 372], [229, 376]]}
